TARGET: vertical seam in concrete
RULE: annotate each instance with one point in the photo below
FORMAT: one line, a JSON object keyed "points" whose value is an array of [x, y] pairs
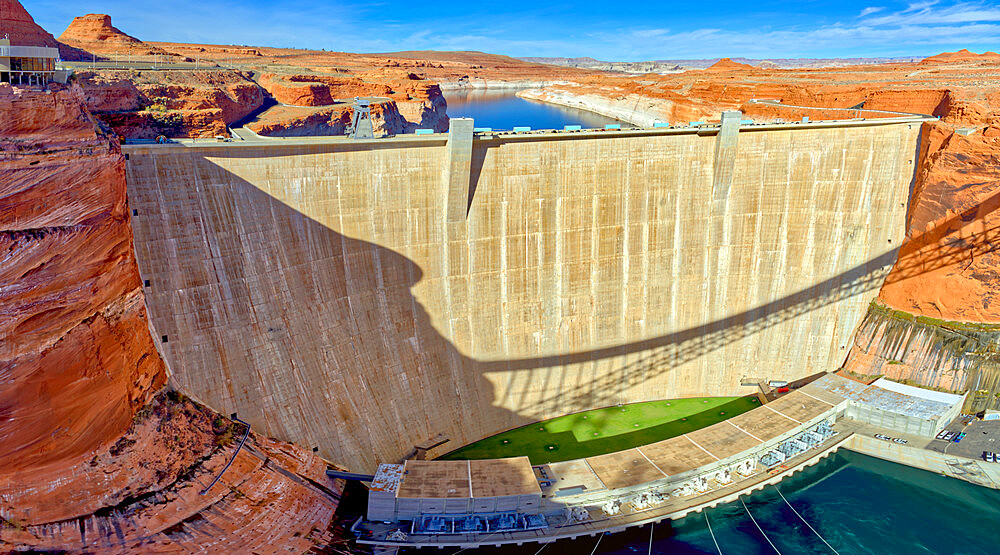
{"points": [[458, 168], [724, 162]]}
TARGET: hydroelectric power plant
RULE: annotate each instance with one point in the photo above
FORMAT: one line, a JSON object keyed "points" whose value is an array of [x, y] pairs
{"points": [[377, 298], [262, 298]]}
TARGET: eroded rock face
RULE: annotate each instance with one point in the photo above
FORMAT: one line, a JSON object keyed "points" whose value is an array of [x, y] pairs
{"points": [[75, 350], [149, 491], [318, 90], [88, 463], [20, 27], [419, 102], [292, 121], [949, 266], [145, 104]]}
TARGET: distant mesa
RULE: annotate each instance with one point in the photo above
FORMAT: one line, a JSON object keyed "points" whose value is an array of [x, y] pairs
{"points": [[95, 33], [20, 27], [727, 64], [962, 55]]}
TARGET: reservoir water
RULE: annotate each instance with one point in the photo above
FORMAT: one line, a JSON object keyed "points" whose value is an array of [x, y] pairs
{"points": [[858, 504], [503, 110]]}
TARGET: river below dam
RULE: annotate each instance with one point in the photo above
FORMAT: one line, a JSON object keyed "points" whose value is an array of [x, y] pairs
{"points": [[856, 503], [502, 109]]}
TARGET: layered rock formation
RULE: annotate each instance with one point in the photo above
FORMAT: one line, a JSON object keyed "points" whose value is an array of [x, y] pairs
{"points": [[292, 121], [76, 355], [318, 90], [145, 104], [88, 462], [727, 64], [419, 102], [21, 29], [95, 34], [963, 55]]}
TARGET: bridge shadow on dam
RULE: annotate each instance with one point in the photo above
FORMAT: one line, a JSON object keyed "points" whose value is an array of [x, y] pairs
{"points": [[372, 372]]}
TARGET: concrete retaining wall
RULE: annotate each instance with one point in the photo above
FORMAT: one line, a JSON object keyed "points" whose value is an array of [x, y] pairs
{"points": [[977, 472]]}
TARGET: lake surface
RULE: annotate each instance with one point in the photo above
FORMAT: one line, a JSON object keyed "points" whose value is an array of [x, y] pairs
{"points": [[859, 504], [503, 110]]}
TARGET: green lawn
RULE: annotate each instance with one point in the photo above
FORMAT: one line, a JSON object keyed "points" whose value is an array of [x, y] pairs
{"points": [[606, 430]]}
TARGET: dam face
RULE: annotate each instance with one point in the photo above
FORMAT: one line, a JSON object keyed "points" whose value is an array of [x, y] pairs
{"points": [[365, 297]]}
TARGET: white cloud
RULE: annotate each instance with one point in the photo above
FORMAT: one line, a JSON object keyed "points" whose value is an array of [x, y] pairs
{"points": [[919, 28], [929, 14]]}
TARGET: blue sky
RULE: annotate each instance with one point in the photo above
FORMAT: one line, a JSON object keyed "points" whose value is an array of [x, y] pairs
{"points": [[604, 30]]}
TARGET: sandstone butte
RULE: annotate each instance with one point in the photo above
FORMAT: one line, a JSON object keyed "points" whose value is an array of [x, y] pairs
{"points": [[94, 33], [727, 64], [961, 56]]}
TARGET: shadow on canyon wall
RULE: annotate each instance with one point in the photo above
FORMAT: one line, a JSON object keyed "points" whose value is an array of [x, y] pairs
{"points": [[366, 302]]}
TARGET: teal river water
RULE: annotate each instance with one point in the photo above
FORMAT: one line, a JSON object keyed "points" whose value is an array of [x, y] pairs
{"points": [[503, 110], [858, 504]]}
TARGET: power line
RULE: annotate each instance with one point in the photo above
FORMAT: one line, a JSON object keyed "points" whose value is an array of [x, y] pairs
{"points": [[754, 520], [804, 520]]}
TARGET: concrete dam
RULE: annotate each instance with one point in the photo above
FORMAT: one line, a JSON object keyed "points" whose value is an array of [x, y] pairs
{"points": [[362, 297]]}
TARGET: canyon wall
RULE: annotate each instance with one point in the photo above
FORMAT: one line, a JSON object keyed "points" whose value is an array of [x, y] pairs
{"points": [[76, 355], [328, 294], [938, 321], [91, 461], [177, 103]]}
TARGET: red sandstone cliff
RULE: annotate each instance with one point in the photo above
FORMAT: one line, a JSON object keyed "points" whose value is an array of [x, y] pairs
{"points": [[89, 463], [419, 102], [178, 103], [70, 294], [20, 27], [949, 267]]}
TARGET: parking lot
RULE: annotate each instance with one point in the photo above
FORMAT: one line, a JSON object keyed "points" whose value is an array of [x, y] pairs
{"points": [[980, 436]]}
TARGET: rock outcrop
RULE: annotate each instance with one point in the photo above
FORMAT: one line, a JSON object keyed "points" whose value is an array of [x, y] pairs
{"points": [[963, 55], [178, 103], [291, 121], [91, 461], [95, 34], [727, 64], [418, 103], [18, 25], [318, 90]]}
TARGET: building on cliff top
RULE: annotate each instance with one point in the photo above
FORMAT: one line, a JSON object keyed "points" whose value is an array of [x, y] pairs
{"points": [[27, 65]]}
